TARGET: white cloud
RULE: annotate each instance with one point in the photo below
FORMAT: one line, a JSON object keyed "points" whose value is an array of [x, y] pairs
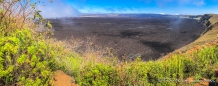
{"points": [[162, 3], [193, 2], [199, 3]]}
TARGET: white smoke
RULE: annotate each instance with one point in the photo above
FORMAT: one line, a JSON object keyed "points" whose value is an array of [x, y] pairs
{"points": [[58, 9]]}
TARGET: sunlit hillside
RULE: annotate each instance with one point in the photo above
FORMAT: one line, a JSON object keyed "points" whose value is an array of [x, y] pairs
{"points": [[210, 34]]}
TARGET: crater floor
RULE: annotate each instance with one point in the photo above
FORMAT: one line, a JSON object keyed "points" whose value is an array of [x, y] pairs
{"points": [[149, 38]]}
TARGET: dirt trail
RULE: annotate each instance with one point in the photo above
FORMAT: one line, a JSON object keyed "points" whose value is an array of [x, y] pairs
{"points": [[62, 79]]}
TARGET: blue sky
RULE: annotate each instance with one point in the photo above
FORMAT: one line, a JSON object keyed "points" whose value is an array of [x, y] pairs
{"points": [[134, 6]]}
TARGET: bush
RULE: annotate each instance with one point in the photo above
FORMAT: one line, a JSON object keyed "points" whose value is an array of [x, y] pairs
{"points": [[98, 75], [24, 60]]}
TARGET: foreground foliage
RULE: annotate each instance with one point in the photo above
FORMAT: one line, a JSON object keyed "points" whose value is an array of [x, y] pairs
{"points": [[200, 62], [24, 59]]}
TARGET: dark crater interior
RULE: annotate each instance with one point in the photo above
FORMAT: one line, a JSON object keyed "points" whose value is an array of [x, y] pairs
{"points": [[149, 38]]}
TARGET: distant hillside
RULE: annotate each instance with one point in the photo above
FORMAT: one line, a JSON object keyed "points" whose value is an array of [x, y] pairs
{"points": [[143, 15], [210, 33]]}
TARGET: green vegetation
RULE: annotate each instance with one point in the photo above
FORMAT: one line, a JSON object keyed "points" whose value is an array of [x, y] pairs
{"points": [[29, 58], [197, 64], [24, 59]]}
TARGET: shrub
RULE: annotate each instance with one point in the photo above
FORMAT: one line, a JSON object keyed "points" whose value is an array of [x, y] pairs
{"points": [[98, 75], [24, 60]]}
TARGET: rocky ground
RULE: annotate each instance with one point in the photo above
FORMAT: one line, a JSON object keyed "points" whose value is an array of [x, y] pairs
{"points": [[149, 38]]}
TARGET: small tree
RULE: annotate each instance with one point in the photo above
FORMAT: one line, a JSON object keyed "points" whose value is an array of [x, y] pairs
{"points": [[21, 13]]}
